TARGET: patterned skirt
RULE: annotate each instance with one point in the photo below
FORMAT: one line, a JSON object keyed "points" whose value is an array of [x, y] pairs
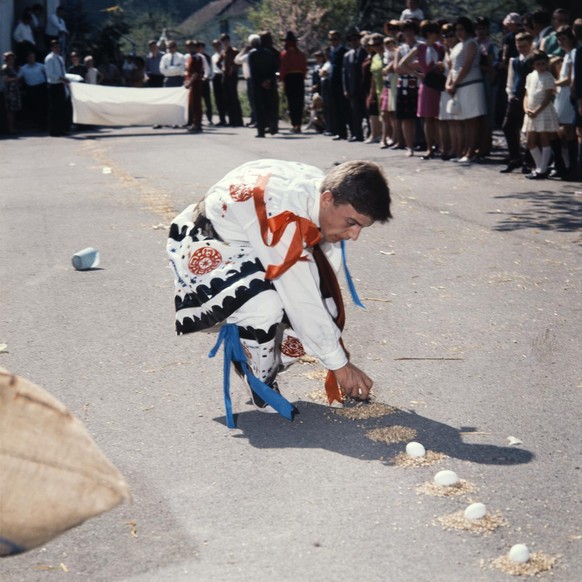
{"points": [[406, 97], [212, 278]]}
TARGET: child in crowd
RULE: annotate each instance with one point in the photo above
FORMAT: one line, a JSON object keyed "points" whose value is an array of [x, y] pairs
{"points": [[92, 76], [540, 120]]}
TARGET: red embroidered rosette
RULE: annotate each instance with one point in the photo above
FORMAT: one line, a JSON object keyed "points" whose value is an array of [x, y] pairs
{"points": [[204, 260], [292, 348], [240, 192]]}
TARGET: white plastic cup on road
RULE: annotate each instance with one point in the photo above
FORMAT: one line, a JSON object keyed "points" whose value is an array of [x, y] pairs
{"points": [[86, 259]]}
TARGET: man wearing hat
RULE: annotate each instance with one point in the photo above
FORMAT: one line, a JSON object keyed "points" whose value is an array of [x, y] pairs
{"points": [[292, 72]]}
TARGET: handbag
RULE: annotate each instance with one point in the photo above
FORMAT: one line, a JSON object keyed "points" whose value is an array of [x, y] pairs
{"points": [[435, 80], [453, 107]]}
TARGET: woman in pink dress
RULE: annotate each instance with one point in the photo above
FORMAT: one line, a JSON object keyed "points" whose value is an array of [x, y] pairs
{"points": [[428, 59]]}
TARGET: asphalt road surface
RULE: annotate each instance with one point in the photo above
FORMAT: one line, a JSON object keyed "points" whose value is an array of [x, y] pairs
{"points": [[472, 331]]}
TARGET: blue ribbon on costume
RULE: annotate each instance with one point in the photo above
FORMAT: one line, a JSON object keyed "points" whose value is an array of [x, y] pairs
{"points": [[233, 352], [351, 286]]}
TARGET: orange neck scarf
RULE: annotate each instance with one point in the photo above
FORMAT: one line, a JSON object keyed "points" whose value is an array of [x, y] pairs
{"points": [[306, 231]]}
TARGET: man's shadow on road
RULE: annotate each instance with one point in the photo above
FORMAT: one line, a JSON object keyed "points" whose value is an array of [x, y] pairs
{"points": [[321, 427]]}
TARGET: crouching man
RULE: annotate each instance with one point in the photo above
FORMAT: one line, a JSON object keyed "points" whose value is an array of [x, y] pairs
{"points": [[259, 256]]}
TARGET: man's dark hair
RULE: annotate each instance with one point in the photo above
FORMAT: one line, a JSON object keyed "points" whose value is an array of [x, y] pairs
{"points": [[567, 32], [524, 36], [361, 184], [429, 27], [541, 17], [467, 25], [266, 39], [538, 55], [411, 25]]}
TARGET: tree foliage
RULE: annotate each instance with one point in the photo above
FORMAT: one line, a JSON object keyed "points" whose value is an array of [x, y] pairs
{"points": [[308, 19], [373, 13]]}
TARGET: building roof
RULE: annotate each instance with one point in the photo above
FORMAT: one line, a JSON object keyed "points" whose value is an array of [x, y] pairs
{"points": [[216, 10]]}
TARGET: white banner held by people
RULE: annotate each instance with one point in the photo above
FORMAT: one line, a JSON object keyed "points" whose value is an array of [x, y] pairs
{"points": [[127, 106]]}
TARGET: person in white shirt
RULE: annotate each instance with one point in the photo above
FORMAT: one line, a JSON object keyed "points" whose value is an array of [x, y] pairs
{"points": [[152, 66], [412, 11], [242, 59], [35, 98], [93, 77], [38, 23], [23, 36], [260, 253], [56, 29], [173, 66], [58, 119], [216, 63]]}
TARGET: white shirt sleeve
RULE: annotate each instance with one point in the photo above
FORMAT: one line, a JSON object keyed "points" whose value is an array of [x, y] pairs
{"points": [[298, 287], [207, 70]]}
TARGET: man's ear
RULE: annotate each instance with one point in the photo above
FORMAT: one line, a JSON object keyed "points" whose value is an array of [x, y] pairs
{"points": [[327, 198]]}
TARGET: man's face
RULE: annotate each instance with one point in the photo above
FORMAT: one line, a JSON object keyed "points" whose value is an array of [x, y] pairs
{"points": [[481, 31], [340, 221]]}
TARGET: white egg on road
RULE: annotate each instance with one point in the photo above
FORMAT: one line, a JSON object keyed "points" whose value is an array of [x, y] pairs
{"points": [[415, 449], [475, 511], [446, 478], [519, 553]]}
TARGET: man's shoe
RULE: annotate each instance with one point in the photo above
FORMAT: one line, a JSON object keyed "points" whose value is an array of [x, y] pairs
{"points": [[535, 175], [337, 137], [258, 402], [510, 167]]}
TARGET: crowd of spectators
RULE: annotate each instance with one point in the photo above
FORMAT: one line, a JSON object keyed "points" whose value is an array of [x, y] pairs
{"points": [[437, 88]]}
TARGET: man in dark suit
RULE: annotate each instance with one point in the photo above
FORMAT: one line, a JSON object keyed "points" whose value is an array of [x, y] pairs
{"points": [[519, 68], [263, 69], [230, 82], [340, 105], [352, 84]]}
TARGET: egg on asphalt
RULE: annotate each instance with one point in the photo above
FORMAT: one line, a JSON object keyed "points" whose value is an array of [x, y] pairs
{"points": [[446, 478]]}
